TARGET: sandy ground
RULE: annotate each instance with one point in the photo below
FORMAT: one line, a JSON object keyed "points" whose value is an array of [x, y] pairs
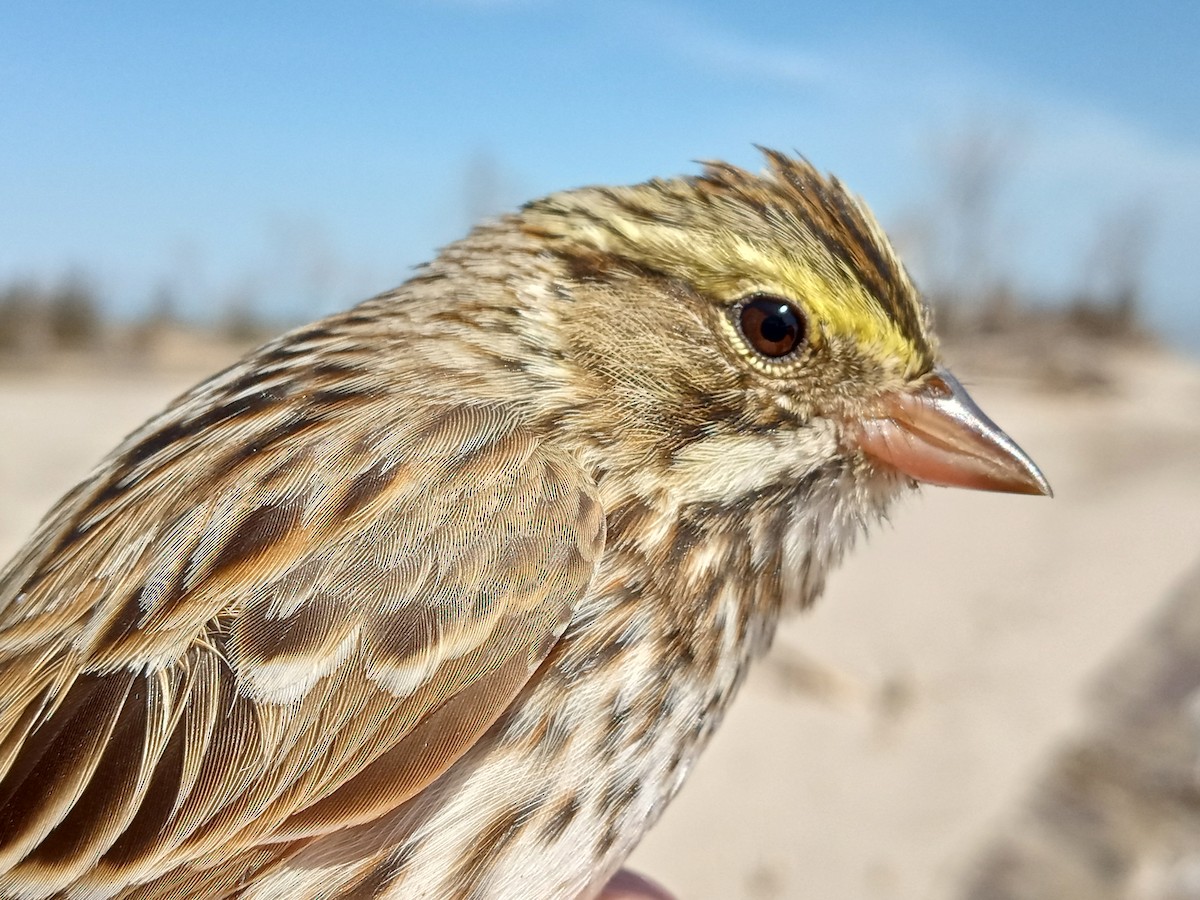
{"points": [[897, 725]]}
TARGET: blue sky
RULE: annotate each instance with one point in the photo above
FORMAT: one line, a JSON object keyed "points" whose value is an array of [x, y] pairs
{"points": [[308, 154]]}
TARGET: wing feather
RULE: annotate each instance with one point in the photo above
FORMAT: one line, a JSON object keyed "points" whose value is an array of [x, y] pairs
{"points": [[210, 652]]}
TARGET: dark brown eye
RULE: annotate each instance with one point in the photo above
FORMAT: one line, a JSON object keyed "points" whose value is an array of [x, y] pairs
{"points": [[773, 326]]}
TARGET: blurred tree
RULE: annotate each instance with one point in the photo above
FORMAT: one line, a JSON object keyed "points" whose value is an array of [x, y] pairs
{"points": [[483, 187], [20, 317], [305, 270], [72, 312], [1115, 268], [975, 168], [161, 315], [241, 320]]}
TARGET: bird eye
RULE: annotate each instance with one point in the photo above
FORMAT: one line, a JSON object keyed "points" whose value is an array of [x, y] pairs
{"points": [[771, 325]]}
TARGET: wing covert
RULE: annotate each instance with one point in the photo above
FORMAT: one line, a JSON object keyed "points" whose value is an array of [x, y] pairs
{"points": [[276, 643]]}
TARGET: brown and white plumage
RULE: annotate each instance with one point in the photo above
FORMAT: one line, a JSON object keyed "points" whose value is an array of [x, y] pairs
{"points": [[440, 597]]}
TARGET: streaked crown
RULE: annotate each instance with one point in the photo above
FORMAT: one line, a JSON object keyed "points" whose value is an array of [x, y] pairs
{"points": [[728, 233]]}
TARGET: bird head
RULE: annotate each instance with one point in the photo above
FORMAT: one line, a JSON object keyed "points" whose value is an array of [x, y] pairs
{"points": [[734, 333]]}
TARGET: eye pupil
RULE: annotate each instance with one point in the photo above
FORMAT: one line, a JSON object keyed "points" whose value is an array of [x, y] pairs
{"points": [[772, 326], [776, 328]]}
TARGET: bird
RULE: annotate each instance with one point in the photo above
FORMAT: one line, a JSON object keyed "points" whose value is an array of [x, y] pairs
{"points": [[441, 596]]}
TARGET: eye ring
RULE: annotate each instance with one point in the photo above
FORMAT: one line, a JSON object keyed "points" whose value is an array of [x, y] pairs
{"points": [[774, 327]]}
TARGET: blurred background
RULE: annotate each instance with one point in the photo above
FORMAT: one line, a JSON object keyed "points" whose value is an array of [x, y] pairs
{"points": [[999, 697]]}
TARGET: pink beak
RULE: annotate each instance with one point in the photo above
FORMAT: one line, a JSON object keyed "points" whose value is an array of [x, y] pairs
{"points": [[938, 435]]}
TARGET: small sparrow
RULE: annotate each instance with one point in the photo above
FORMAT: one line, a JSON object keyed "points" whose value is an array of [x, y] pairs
{"points": [[441, 597]]}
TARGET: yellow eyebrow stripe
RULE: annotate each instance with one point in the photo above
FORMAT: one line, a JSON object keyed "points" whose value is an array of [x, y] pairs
{"points": [[728, 233], [728, 266]]}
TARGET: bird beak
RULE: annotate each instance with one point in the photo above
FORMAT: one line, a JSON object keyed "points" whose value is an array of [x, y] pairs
{"points": [[938, 435]]}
